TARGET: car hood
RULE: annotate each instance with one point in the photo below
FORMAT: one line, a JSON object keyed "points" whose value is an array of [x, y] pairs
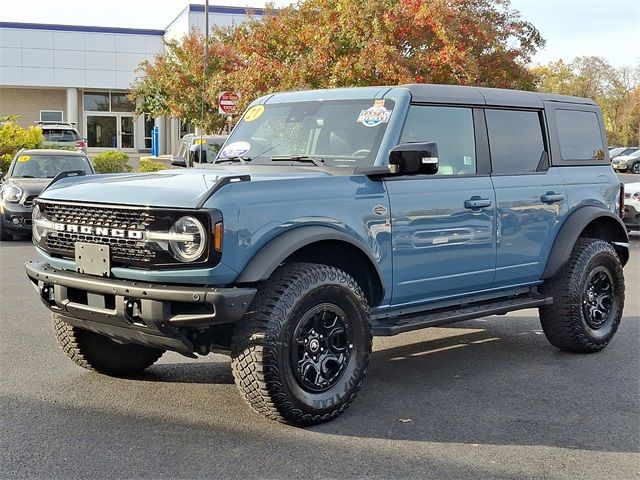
{"points": [[171, 188], [30, 186], [620, 158]]}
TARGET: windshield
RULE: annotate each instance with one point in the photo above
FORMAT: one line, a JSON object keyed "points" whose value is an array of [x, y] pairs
{"points": [[48, 166], [616, 151], [60, 135], [342, 133], [205, 150]]}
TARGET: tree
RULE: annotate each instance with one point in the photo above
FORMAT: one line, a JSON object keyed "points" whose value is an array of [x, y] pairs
{"points": [[614, 89], [343, 43], [13, 137]]}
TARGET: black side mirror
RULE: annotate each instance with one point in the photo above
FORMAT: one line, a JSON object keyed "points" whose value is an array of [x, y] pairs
{"points": [[178, 161], [415, 158]]}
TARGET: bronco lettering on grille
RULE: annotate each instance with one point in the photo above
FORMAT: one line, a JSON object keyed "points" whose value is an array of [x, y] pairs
{"points": [[100, 231]]}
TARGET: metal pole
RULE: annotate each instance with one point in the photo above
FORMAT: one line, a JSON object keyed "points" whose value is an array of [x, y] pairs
{"points": [[206, 35]]}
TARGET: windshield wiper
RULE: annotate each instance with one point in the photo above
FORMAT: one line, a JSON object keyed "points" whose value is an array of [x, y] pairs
{"points": [[25, 176], [242, 160], [317, 161]]}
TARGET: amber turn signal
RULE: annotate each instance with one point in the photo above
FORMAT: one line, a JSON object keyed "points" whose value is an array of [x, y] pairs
{"points": [[217, 236]]}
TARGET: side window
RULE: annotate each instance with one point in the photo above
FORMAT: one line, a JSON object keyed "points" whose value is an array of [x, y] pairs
{"points": [[515, 140], [579, 134], [452, 130]]}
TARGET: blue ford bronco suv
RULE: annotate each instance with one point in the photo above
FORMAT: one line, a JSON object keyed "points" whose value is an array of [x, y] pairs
{"points": [[333, 216]]}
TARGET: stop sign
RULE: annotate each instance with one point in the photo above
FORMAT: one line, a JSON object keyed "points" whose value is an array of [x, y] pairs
{"points": [[227, 102]]}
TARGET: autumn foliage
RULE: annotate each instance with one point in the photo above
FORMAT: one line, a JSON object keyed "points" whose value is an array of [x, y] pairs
{"points": [[339, 43]]}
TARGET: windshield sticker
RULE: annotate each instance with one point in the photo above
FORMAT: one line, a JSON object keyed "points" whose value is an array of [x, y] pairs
{"points": [[374, 116], [254, 112], [236, 149], [24, 158], [199, 141]]}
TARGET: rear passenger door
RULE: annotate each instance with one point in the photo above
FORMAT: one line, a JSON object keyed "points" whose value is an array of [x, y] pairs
{"points": [[443, 225], [531, 197]]}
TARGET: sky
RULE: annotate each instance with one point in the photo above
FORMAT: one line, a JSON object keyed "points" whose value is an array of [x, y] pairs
{"points": [[607, 28]]}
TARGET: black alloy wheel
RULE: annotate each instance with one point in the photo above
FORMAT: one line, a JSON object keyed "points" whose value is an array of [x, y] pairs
{"points": [[321, 347], [597, 298]]}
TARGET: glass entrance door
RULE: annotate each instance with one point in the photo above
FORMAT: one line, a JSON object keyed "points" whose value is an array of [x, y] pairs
{"points": [[109, 131], [127, 132], [102, 131]]}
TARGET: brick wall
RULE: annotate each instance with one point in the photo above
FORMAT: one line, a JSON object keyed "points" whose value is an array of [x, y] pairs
{"points": [[29, 101]]}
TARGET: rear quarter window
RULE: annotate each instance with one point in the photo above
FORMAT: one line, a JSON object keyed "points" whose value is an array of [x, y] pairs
{"points": [[579, 134]]}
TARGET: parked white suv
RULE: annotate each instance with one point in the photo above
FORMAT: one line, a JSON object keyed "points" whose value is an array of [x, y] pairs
{"points": [[62, 134]]}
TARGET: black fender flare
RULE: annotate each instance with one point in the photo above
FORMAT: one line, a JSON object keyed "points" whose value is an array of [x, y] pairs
{"points": [[571, 230], [278, 249]]}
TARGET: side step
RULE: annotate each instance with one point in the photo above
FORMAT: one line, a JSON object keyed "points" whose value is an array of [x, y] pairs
{"points": [[442, 316]]}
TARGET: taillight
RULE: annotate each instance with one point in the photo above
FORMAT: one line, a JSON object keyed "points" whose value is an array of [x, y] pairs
{"points": [[621, 211], [81, 145]]}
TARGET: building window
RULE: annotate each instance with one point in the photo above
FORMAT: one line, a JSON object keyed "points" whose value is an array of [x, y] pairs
{"points": [[108, 102], [96, 101], [120, 102], [51, 115]]}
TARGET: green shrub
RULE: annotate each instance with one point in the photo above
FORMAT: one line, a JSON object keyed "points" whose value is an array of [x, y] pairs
{"points": [[148, 165], [13, 137], [5, 162], [112, 162]]}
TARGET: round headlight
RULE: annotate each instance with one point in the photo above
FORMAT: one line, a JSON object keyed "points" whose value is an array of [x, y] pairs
{"points": [[193, 245], [11, 193], [37, 229]]}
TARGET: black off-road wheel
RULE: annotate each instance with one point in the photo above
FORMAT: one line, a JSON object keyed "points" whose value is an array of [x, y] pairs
{"points": [[300, 354], [98, 353], [588, 299]]}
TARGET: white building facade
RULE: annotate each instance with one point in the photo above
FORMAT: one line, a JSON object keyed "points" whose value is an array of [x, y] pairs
{"points": [[83, 74]]}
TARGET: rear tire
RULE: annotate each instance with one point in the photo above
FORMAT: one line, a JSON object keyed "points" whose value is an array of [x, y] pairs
{"points": [[301, 353], [588, 299], [98, 353]]}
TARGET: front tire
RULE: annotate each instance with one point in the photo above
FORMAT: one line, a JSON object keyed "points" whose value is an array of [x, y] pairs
{"points": [[588, 299], [301, 353], [98, 353], [635, 168]]}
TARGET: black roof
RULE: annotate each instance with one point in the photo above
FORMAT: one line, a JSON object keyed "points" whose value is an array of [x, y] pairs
{"points": [[426, 93]]}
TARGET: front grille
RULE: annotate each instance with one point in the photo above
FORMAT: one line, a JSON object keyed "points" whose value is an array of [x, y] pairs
{"points": [[28, 202], [123, 251], [132, 219]]}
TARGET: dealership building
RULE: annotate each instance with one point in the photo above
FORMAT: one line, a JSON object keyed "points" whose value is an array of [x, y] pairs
{"points": [[80, 74]]}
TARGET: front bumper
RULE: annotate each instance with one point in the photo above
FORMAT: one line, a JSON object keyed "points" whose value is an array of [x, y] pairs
{"points": [[150, 314], [631, 217], [16, 217]]}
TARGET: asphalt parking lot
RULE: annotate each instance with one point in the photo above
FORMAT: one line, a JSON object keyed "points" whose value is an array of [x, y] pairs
{"points": [[488, 398]]}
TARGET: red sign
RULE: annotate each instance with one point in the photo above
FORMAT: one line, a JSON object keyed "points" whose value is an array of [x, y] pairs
{"points": [[227, 102]]}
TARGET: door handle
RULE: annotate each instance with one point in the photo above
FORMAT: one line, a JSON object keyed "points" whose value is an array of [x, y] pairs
{"points": [[477, 202], [552, 197]]}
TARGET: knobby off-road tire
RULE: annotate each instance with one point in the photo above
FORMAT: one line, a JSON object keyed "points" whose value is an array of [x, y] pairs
{"points": [[300, 354], [98, 353], [588, 299]]}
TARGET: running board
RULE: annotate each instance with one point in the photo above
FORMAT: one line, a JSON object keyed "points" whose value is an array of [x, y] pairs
{"points": [[393, 326]]}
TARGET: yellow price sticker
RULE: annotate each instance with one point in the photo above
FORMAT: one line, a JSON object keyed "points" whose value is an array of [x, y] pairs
{"points": [[24, 158], [254, 112], [200, 141]]}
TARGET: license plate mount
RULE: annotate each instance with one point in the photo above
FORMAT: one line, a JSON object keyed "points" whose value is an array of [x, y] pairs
{"points": [[93, 259]]}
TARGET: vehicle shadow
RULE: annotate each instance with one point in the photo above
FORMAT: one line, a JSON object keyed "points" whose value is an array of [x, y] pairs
{"points": [[494, 381]]}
